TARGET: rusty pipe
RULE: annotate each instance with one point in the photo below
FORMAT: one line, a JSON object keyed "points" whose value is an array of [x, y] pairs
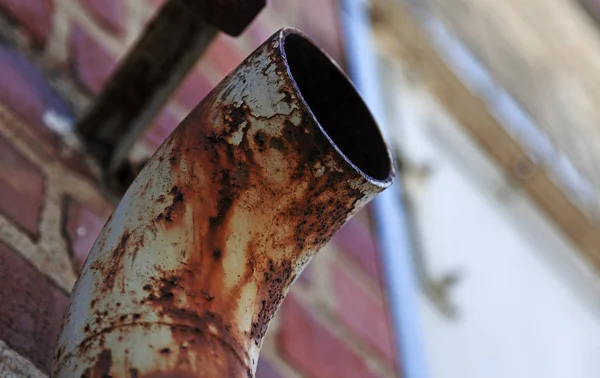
{"points": [[195, 260]]}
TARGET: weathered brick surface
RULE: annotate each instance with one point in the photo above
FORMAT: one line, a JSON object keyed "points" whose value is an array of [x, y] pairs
{"points": [[34, 15], [21, 188], [24, 90], [109, 13], [31, 309], [81, 227], [358, 243], [91, 62], [313, 349], [363, 312]]}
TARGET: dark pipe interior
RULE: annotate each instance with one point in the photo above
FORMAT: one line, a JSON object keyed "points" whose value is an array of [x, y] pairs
{"points": [[338, 107]]}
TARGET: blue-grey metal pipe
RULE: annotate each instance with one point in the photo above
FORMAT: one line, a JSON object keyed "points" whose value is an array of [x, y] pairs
{"points": [[388, 208]]}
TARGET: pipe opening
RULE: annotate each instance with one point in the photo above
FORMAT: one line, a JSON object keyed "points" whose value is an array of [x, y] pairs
{"points": [[338, 107]]}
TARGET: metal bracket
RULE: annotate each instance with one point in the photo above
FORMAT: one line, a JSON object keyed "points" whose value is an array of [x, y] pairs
{"points": [[169, 47]]}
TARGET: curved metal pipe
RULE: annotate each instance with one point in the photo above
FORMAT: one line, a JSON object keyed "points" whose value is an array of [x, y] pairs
{"points": [[192, 265]]}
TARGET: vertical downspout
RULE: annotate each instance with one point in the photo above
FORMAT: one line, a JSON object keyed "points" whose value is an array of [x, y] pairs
{"points": [[388, 208]]}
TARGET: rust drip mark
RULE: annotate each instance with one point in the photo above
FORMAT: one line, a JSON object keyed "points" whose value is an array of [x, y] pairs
{"points": [[59, 353], [277, 144], [169, 212], [102, 367], [230, 172], [260, 138], [112, 266], [225, 198], [277, 279], [207, 295], [161, 294], [177, 194], [231, 165]]}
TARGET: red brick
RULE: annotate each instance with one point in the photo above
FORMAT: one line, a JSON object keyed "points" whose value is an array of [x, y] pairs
{"points": [[363, 313], [356, 241], [21, 188], [266, 370], [31, 309], [163, 125], [78, 163], [27, 94], [81, 227], [109, 13], [35, 15], [193, 89], [223, 54], [313, 349], [91, 62]]}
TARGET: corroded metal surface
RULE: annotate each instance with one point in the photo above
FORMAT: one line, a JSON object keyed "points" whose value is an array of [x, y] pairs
{"points": [[191, 267]]}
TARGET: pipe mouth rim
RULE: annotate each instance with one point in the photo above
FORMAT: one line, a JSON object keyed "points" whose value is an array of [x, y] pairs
{"points": [[361, 145]]}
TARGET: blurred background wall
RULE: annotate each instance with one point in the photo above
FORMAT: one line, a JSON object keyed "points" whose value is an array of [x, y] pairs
{"points": [[489, 103]]}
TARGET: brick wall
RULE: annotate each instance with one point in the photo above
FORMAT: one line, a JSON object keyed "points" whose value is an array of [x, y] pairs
{"points": [[55, 56]]}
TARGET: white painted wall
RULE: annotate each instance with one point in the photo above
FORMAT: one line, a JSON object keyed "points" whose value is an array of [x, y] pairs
{"points": [[528, 307]]}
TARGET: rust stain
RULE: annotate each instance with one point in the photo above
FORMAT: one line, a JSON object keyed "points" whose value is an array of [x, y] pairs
{"points": [[111, 267], [102, 367], [177, 199], [234, 170], [279, 191]]}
